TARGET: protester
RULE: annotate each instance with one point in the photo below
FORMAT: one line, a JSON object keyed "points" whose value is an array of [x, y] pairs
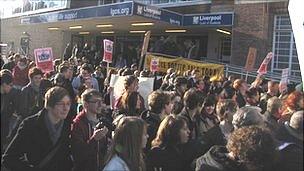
{"points": [[159, 107], [248, 149], [89, 141], [20, 74], [130, 104], [166, 153], [10, 107], [290, 147], [247, 116], [125, 154], [241, 87], [273, 113], [43, 138], [13, 60], [293, 103], [32, 94], [273, 88]]}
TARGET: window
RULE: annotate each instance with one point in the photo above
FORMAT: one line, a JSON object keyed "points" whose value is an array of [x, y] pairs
{"points": [[285, 54]]}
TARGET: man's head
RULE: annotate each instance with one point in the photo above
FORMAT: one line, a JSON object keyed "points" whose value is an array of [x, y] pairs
{"points": [[66, 71], [192, 99], [273, 87], [86, 70], [274, 106], [92, 101], [247, 116], [159, 102], [180, 83], [57, 102], [296, 122], [252, 146], [252, 97], [6, 82], [35, 76]]}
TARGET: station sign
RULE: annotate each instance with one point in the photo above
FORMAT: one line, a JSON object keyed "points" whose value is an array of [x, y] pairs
{"points": [[215, 19], [156, 13], [121, 9]]}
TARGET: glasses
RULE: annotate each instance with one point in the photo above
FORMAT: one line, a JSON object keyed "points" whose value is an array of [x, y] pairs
{"points": [[61, 104], [96, 101]]}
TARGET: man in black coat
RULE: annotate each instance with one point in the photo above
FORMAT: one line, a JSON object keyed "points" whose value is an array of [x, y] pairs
{"points": [[42, 140], [10, 103]]}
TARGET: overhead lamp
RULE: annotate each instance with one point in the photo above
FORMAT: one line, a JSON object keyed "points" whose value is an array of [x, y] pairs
{"points": [[104, 25], [137, 31], [84, 32], [53, 28], [223, 31], [107, 32], [75, 27], [175, 31], [142, 24]]}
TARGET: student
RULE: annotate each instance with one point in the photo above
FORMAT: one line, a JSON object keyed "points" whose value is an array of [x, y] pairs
{"points": [[130, 138], [89, 143], [248, 149], [166, 153], [43, 138]]}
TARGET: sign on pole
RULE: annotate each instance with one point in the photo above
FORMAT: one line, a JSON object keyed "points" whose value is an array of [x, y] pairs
{"points": [[144, 49], [44, 59], [107, 51], [154, 64], [284, 79], [250, 59], [263, 67]]}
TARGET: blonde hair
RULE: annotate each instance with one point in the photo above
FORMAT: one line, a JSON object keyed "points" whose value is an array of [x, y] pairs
{"points": [[127, 142]]}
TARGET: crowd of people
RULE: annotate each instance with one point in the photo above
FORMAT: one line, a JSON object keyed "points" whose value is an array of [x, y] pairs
{"points": [[64, 120]]}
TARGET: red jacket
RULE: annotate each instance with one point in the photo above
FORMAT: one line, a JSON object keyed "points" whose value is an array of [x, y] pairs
{"points": [[84, 147], [20, 77]]}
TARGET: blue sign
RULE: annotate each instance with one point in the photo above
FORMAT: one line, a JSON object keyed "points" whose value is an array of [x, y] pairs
{"points": [[121, 9], [224, 19], [157, 14]]}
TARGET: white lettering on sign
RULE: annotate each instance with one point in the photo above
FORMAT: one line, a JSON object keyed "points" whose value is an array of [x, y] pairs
{"points": [[153, 11], [172, 21], [119, 11], [70, 16]]}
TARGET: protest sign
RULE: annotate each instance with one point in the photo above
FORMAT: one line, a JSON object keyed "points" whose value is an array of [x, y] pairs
{"points": [[215, 71], [284, 80], [154, 64], [250, 59], [107, 51], [263, 67], [144, 48], [44, 59]]}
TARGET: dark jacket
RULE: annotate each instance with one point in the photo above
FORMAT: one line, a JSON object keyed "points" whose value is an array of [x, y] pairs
{"points": [[290, 150], [153, 120], [216, 160], [33, 140], [169, 158], [240, 100], [32, 101], [214, 136], [84, 147], [10, 104], [272, 122]]}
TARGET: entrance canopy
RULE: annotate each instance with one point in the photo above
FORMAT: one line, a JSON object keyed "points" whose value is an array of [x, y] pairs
{"points": [[120, 16]]}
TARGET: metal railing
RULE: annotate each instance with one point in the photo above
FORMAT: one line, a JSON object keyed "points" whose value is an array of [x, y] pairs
{"points": [[230, 69]]}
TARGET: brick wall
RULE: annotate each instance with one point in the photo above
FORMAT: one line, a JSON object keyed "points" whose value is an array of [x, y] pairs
{"points": [[40, 36], [253, 27]]}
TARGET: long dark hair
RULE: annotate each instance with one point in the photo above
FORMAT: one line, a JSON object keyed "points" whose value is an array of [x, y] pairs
{"points": [[168, 133]]}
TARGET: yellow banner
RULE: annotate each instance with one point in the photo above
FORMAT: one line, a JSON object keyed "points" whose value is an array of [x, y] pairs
{"points": [[215, 71]]}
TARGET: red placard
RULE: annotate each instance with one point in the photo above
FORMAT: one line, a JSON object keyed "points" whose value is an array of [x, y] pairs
{"points": [[263, 67], [107, 50], [154, 64], [44, 59]]}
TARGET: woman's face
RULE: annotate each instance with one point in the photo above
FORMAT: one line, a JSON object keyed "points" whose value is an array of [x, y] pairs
{"points": [[209, 109], [168, 108], [301, 103], [184, 134]]}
